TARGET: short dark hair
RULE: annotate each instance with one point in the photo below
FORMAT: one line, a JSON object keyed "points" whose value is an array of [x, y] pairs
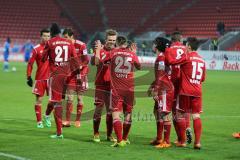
{"points": [[68, 31], [45, 30], [8, 40], [176, 36], [54, 29], [161, 43], [121, 40], [193, 43]]}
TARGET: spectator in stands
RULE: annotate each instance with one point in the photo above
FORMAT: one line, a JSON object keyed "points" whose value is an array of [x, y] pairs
{"points": [[221, 28], [27, 48], [214, 44], [6, 54]]}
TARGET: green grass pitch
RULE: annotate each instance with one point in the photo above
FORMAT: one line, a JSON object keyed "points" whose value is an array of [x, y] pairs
{"points": [[20, 137]]}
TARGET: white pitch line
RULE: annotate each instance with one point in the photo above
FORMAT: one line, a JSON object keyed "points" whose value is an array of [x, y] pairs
{"points": [[12, 156]]}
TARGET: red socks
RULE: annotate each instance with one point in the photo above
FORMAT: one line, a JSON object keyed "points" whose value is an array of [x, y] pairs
{"points": [[58, 118], [167, 131], [38, 112], [96, 123], [187, 116], [159, 130], [69, 109], [126, 129], [79, 111], [49, 109], [197, 125], [117, 125], [181, 125], [109, 124]]}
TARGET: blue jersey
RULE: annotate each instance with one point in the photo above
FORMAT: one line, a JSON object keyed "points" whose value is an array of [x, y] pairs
{"points": [[6, 51], [28, 47], [6, 47]]}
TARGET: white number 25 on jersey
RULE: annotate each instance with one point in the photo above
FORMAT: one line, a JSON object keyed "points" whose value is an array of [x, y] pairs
{"points": [[123, 61], [59, 51]]}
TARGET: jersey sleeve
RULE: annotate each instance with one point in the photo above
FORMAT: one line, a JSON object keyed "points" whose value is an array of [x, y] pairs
{"points": [[31, 62]]}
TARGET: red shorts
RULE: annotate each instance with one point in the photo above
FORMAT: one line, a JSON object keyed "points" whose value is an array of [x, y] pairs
{"points": [[190, 104], [122, 100], [39, 88], [164, 102], [57, 88], [78, 84], [102, 96]]}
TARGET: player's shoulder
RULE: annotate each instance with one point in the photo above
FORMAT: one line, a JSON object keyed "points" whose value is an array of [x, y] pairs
{"points": [[78, 42], [37, 46]]}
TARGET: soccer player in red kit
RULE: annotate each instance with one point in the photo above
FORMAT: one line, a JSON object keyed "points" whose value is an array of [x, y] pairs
{"points": [[62, 58], [178, 48], [77, 83], [193, 72], [102, 84], [162, 91], [122, 63], [41, 79]]}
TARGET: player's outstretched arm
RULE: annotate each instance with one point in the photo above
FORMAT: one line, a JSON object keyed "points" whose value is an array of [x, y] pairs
{"points": [[30, 67]]}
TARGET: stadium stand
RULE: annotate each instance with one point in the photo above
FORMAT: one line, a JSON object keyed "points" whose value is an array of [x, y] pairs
{"points": [[22, 20], [235, 47]]}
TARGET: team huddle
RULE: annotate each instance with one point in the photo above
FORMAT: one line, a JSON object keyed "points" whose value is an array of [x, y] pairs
{"points": [[62, 69]]}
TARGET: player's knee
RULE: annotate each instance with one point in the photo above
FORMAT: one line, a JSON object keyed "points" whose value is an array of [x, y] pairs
{"points": [[116, 115], [180, 115], [166, 117], [128, 118], [69, 97], [196, 116], [38, 100]]}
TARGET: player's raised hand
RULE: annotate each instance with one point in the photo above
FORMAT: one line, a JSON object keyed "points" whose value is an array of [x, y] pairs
{"points": [[133, 47], [98, 45], [29, 81]]}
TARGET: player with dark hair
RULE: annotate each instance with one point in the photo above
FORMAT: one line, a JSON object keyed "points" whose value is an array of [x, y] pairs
{"points": [[122, 63], [162, 91], [63, 60], [102, 85], [193, 72], [77, 83], [180, 49], [41, 79]]}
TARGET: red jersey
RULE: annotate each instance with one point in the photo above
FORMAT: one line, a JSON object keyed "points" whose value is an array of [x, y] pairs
{"points": [[60, 52], [193, 72], [162, 74], [81, 50], [42, 72], [103, 71], [122, 68], [176, 54]]}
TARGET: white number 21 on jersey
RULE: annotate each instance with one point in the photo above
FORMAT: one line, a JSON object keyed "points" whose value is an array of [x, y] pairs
{"points": [[59, 51], [197, 70]]}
